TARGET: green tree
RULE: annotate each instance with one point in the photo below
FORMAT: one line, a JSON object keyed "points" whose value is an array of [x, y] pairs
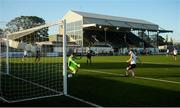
{"points": [[171, 41], [1, 32], [26, 22], [161, 41]]}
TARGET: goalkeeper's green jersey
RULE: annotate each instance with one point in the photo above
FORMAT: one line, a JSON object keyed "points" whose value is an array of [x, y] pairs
{"points": [[71, 62]]}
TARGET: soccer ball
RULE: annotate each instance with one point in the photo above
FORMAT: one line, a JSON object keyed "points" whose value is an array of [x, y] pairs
{"points": [[69, 75]]}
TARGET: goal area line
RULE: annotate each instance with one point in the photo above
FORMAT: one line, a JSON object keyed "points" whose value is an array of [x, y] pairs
{"points": [[144, 78]]}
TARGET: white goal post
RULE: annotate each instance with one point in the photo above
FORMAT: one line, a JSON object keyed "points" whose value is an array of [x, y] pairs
{"points": [[64, 58]]}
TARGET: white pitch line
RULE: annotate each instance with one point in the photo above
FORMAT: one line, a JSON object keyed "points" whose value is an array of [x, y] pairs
{"points": [[81, 100], [95, 71], [1, 98], [161, 63], [160, 80], [35, 98], [145, 78]]}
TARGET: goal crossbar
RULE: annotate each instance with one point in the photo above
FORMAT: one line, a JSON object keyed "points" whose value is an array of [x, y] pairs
{"points": [[19, 34]]}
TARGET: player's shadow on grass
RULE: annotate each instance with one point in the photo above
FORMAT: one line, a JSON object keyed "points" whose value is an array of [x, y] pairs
{"points": [[123, 65], [124, 92]]}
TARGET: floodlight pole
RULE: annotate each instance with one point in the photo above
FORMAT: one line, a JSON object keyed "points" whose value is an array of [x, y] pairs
{"points": [[105, 29], [64, 59], [157, 41]]}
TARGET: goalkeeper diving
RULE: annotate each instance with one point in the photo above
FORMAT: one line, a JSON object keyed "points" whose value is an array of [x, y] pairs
{"points": [[72, 65]]}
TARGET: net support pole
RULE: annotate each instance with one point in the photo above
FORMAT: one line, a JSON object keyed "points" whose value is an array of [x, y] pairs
{"points": [[64, 59], [7, 54]]}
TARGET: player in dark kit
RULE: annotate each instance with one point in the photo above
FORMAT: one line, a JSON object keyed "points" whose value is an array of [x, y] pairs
{"points": [[89, 57]]}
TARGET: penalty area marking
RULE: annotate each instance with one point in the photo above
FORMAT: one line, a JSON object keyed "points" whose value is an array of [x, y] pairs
{"points": [[145, 78]]}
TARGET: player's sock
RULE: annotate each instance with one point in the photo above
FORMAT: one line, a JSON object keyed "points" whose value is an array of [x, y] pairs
{"points": [[133, 74], [126, 74]]}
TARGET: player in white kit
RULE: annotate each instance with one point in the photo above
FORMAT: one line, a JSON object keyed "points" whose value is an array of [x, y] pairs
{"points": [[132, 64], [175, 54], [25, 55]]}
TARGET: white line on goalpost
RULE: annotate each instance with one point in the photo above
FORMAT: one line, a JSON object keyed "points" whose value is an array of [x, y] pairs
{"points": [[145, 78]]}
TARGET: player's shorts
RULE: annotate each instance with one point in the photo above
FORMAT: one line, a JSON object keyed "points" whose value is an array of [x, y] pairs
{"points": [[37, 56], [37, 53], [174, 54], [131, 66], [89, 56]]}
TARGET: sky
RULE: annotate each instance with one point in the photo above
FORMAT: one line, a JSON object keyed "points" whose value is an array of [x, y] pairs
{"points": [[165, 13]]}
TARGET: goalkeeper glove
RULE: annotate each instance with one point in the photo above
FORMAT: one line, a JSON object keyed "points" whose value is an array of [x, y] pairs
{"points": [[78, 65]]}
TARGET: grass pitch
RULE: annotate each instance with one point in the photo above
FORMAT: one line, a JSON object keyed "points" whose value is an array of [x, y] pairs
{"points": [[157, 83]]}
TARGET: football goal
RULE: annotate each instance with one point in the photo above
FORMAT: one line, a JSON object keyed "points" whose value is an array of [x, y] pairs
{"points": [[31, 65]]}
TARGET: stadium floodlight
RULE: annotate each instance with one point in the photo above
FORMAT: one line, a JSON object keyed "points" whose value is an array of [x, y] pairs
{"points": [[146, 31], [105, 30], [100, 26], [117, 28]]}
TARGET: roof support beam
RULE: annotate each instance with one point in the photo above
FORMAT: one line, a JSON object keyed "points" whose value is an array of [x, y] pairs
{"points": [[88, 25]]}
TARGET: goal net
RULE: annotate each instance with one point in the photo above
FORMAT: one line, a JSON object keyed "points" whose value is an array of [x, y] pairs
{"points": [[31, 66]]}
